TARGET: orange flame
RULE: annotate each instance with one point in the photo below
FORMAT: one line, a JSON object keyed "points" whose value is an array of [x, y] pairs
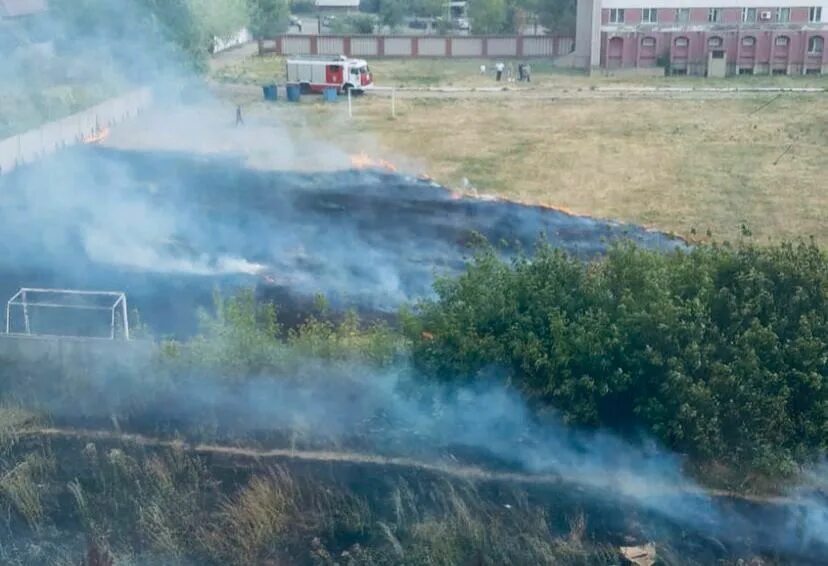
{"points": [[96, 137], [364, 161]]}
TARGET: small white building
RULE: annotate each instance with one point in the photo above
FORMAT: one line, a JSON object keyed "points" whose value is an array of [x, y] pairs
{"points": [[337, 6]]}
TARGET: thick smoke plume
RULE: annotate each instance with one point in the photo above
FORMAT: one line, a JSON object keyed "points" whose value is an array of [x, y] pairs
{"points": [[172, 221], [143, 221]]}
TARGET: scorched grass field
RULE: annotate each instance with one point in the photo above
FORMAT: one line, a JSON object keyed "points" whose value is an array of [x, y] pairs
{"points": [[690, 164]]}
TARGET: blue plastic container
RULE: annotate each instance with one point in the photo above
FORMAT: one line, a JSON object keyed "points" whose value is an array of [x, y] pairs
{"points": [[294, 93], [330, 94], [271, 92]]}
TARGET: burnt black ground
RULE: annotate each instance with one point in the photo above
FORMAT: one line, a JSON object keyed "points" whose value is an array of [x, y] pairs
{"points": [[367, 240]]}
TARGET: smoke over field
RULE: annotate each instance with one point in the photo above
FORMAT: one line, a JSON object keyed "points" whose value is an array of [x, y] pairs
{"points": [[167, 228], [170, 224]]}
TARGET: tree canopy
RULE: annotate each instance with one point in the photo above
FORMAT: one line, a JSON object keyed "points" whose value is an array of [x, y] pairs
{"points": [[268, 18], [719, 352], [488, 16], [391, 12]]}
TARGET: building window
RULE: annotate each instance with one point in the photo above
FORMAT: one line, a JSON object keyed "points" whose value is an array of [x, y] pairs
{"points": [[781, 41], [648, 42], [681, 42], [649, 16], [683, 15], [748, 15], [748, 41], [714, 15], [714, 42], [783, 15], [616, 16], [815, 45], [815, 14]]}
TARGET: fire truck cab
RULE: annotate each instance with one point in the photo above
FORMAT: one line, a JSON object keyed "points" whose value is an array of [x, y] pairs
{"points": [[315, 74]]}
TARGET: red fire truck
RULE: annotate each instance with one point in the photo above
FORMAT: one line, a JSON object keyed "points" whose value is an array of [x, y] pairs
{"points": [[315, 74]]}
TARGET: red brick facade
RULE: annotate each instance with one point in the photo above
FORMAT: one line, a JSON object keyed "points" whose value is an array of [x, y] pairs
{"points": [[746, 51], [708, 41]]}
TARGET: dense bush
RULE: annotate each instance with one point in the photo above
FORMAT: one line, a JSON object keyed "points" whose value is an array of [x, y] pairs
{"points": [[243, 338], [720, 352]]}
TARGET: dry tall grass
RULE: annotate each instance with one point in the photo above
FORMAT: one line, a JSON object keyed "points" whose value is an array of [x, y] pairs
{"points": [[250, 526], [688, 166], [21, 490]]}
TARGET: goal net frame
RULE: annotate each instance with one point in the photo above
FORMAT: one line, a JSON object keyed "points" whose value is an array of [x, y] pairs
{"points": [[28, 297]]}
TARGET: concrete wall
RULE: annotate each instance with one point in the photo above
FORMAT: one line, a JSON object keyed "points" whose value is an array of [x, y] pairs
{"points": [[414, 46], [49, 138], [588, 35], [74, 351], [240, 38]]}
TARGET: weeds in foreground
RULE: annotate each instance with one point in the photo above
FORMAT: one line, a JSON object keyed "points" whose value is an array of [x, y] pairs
{"points": [[250, 526], [20, 490], [167, 506]]}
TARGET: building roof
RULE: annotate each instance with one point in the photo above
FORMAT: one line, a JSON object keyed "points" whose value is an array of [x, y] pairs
{"points": [[337, 3], [20, 8]]}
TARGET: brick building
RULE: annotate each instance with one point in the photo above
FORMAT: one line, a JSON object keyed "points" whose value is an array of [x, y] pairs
{"points": [[703, 37]]}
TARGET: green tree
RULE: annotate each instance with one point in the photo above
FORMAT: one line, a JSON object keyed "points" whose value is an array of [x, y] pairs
{"points": [[220, 18], [488, 16], [268, 18], [718, 351], [427, 8], [391, 12], [558, 16]]}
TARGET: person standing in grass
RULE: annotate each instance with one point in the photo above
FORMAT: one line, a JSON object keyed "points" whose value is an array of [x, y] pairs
{"points": [[499, 70]]}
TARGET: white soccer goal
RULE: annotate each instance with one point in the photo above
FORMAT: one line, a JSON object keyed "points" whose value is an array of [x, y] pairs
{"points": [[68, 313]]}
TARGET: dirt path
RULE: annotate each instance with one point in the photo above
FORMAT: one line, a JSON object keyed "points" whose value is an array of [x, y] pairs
{"points": [[678, 93], [253, 92], [461, 471]]}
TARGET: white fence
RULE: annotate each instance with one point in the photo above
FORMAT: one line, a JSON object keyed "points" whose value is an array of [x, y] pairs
{"points": [[52, 136], [223, 44], [416, 46]]}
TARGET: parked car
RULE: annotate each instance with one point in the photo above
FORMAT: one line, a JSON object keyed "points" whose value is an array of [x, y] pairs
{"points": [[461, 24], [418, 24]]}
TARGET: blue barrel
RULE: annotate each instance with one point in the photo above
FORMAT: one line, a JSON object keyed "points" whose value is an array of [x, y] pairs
{"points": [[294, 93], [271, 92], [330, 94]]}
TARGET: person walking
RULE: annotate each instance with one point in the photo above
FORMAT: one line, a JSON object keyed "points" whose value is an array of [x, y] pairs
{"points": [[239, 119], [499, 70], [521, 72], [528, 71], [510, 73]]}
